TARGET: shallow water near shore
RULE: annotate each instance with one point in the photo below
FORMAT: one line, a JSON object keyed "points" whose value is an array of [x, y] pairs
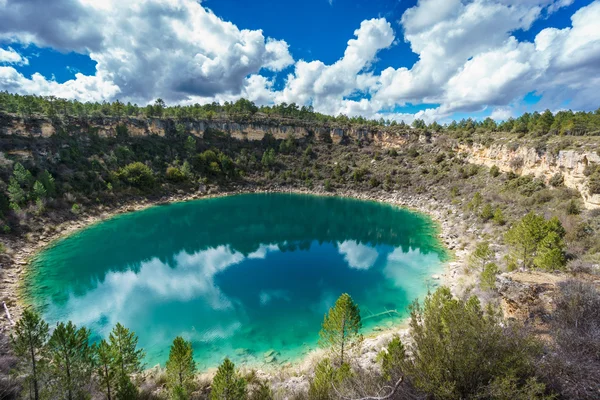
{"points": [[245, 276]]}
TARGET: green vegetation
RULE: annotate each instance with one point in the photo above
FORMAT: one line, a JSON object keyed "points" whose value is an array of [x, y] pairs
{"points": [[181, 367], [228, 384], [538, 242], [70, 361], [29, 344], [526, 222], [438, 361], [340, 329]]}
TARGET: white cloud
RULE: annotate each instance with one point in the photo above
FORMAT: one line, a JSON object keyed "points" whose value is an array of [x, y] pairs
{"points": [[266, 296], [182, 52], [357, 255], [10, 56], [151, 48]]}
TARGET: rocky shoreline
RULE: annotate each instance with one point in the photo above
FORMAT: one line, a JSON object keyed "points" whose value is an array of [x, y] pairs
{"points": [[448, 218]]}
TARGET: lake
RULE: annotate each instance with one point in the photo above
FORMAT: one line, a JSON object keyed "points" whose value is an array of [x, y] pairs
{"points": [[239, 276]]}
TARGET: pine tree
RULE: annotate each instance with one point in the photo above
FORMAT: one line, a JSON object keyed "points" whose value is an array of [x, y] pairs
{"points": [[392, 358], [482, 255], [181, 366], [340, 328], [525, 236], [127, 358], [71, 357], [16, 194], [39, 191], [22, 175], [105, 367], [538, 242], [227, 384], [47, 180], [29, 344]]}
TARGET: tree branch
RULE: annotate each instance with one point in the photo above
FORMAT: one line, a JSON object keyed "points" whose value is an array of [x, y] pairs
{"points": [[386, 397]]}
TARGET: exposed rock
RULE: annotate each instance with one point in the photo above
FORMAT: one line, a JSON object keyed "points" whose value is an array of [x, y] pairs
{"points": [[528, 161]]}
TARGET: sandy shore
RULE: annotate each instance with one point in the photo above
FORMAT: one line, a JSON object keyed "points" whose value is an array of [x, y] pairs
{"points": [[451, 228]]}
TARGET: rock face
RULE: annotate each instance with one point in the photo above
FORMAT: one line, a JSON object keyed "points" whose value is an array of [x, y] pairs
{"points": [[527, 160], [251, 128]]}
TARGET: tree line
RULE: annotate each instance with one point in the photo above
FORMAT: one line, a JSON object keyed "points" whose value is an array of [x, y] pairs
{"points": [[458, 349], [564, 122]]}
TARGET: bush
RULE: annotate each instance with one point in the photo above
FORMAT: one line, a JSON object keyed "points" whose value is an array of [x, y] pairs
{"points": [[461, 351], [573, 208], [488, 276], [573, 369], [138, 175], [594, 183], [325, 378], [174, 174], [494, 171], [557, 180]]}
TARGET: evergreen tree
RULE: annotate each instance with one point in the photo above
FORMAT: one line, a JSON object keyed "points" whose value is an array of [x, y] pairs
{"points": [[538, 242], [39, 191], [227, 384], [105, 367], [550, 254], [22, 175], [71, 356], [127, 357], [48, 181], [482, 255], [391, 359], [126, 390], [190, 146], [29, 344], [340, 328], [181, 366], [16, 194]]}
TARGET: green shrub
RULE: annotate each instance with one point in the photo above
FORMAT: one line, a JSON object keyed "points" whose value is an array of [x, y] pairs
{"points": [[557, 180], [174, 174], [268, 158], [392, 358], [498, 217], [460, 350], [487, 212], [227, 383], [538, 242], [494, 171], [573, 208], [325, 378], [594, 183], [137, 174], [488, 276]]}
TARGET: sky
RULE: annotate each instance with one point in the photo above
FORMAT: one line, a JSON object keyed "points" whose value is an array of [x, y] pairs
{"points": [[393, 59]]}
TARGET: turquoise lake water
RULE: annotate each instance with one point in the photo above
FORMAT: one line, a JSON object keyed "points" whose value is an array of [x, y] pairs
{"points": [[238, 275]]}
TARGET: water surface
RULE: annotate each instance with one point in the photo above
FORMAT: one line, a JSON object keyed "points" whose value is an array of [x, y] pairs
{"points": [[239, 276]]}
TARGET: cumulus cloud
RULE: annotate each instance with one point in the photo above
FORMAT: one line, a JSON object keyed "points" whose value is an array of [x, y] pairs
{"points": [[358, 255], [468, 57], [10, 56], [151, 48]]}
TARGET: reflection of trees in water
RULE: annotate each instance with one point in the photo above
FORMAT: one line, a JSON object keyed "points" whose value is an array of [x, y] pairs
{"points": [[243, 223]]}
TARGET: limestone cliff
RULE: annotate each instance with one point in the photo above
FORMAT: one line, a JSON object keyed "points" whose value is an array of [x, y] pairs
{"points": [[525, 160], [251, 128]]}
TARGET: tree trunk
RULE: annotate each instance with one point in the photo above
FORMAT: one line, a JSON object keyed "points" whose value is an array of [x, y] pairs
{"points": [[36, 395], [107, 381]]}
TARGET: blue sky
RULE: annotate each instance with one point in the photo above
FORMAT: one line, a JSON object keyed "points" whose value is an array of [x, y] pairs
{"points": [[405, 59]]}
